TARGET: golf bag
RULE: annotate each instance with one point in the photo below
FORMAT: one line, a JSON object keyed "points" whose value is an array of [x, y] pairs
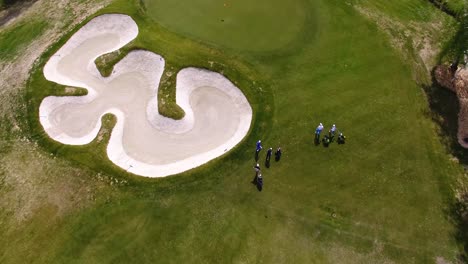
{"points": [[259, 182]]}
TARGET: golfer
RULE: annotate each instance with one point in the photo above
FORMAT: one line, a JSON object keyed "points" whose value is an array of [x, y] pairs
{"points": [[318, 130], [260, 182], [257, 168], [268, 155], [332, 131], [259, 146], [278, 154], [341, 138]]}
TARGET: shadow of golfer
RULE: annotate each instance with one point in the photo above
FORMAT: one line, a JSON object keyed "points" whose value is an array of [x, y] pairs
{"points": [[317, 140], [256, 155], [267, 162], [254, 180], [277, 158]]}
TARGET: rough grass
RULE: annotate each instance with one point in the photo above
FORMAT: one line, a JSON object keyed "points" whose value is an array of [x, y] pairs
{"points": [[457, 47], [456, 5], [14, 40], [383, 197], [416, 29]]}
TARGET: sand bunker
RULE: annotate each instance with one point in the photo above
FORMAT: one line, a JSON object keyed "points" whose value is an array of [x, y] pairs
{"points": [[217, 114]]}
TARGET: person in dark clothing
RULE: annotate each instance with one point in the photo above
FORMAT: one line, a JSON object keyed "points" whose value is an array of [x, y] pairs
{"points": [[268, 157], [278, 154], [326, 141], [331, 133], [257, 171], [269, 151], [341, 138], [259, 182]]}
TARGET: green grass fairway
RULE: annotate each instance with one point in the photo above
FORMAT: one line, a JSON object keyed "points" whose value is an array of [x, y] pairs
{"points": [[383, 197], [261, 25]]}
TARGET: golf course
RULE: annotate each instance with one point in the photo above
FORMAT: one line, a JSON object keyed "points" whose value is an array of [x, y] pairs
{"points": [[250, 70]]}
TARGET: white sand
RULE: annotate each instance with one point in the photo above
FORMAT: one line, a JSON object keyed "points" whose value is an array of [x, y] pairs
{"points": [[217, 114]]}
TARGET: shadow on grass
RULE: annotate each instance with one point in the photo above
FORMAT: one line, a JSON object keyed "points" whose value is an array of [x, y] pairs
{"points": [[277, 156], [445, 106], [459, 211], [442, 6], [316, 140], [13, 8]]}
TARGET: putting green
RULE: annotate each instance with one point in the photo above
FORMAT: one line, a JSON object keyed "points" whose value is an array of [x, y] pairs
{"points": [[260, 25]]}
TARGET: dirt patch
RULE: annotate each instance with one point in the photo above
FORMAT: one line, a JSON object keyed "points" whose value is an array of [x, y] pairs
{"points": [[441, 260], [445, 77], [339, 254], [26, 188]]}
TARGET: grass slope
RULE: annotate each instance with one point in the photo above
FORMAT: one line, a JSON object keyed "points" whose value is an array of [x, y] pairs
{"points": [[382, 197], [15, 39], [456, 5]]}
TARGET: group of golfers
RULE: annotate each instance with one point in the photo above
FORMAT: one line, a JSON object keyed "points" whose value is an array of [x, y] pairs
{"points": [[258, 180], [327, 139]]}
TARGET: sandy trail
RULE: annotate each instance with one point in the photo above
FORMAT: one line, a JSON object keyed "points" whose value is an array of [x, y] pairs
{"points": [[143, 142]]}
